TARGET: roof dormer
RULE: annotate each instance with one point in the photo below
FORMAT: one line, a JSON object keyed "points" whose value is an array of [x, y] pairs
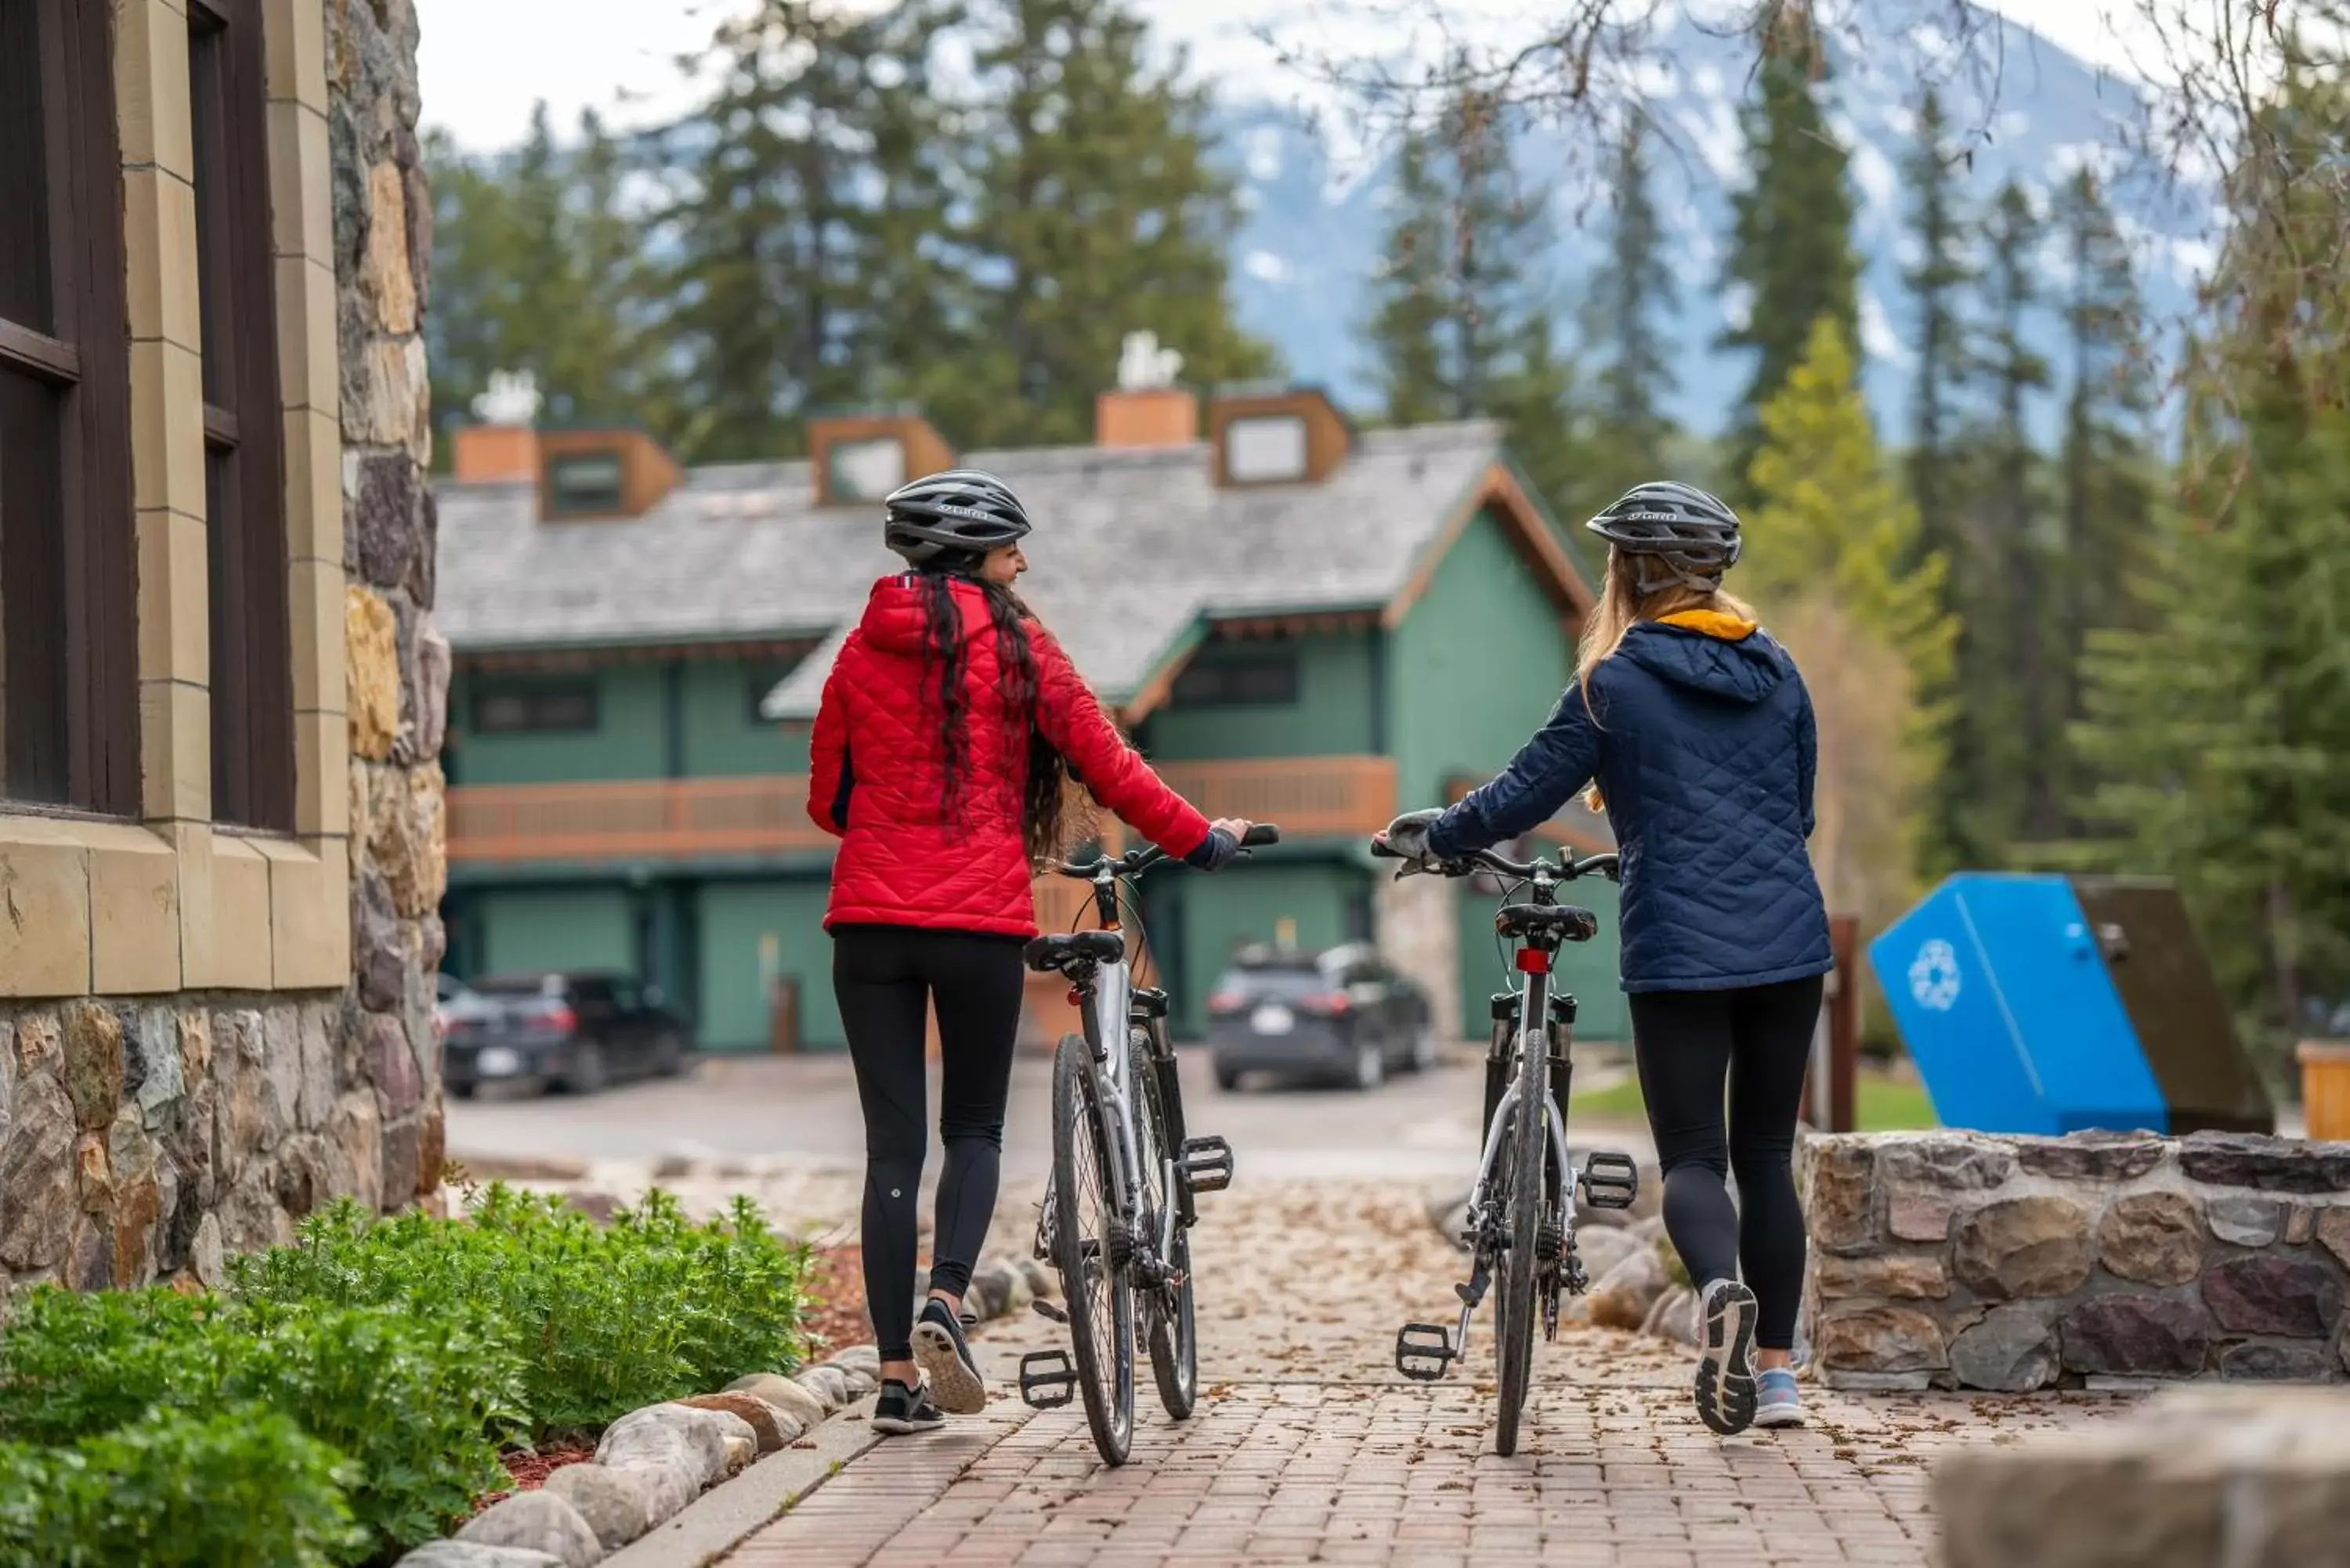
{"points": [[1276, 436], [859, 458]]}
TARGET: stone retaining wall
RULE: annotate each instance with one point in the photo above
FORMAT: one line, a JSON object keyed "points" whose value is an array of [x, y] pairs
{"points": [[1961, 1260]]}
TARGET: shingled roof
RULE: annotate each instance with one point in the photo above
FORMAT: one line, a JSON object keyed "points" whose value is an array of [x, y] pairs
{"points": [[1133, 547]]}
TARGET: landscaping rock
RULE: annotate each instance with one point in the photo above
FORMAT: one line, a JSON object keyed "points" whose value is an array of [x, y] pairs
{"points": [[768, 1425], [1841, 1208], [1042, 1282], [537, 1521], [785, 1394], [2277, 1295], [1880, 1339], [1628, 1293], [1601, 1251], [860, 1358], [613, 1503], [1674, 1316], [2136, 1336], [2333, 1233], [1910, 1277], [2091, 1156], [2156, 1238], [2301, 1225], [1018, 1293], [2246, 1222], [2265, 1164], [2278, 1364], [2024, 1247], [677, 1451], [828, 1384], [474, 1555], [2013, 1350]]}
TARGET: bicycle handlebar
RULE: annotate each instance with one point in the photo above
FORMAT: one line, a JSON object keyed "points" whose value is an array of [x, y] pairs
{"points": [[1565, 869], [1135, 861]]}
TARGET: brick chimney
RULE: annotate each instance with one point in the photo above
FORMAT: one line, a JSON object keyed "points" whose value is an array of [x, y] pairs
{"points": [[1147, 409], [503, 448]]}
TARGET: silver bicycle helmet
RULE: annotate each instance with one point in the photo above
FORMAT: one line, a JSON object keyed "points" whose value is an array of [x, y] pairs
{"points": [[1691, 536], [960, 511]]}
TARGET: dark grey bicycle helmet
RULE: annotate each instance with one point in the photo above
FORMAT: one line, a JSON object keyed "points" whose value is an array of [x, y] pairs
{"points": [[1691, 536], [961, 511]]}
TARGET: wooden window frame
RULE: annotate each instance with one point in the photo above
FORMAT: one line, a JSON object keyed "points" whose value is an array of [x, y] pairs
{"points": [[82, 719], [252, 768]]}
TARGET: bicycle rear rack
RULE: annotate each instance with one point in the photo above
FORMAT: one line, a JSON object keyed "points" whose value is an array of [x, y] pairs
{"points": [[1609, 1180], [1047, 1379], [1207, 1164]]}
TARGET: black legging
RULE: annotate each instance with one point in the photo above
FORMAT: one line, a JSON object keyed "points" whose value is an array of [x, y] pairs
{"points": [[885, 977], [1760, 1040]]}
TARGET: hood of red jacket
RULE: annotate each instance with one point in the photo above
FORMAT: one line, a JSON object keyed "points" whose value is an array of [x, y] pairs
{"points": [[897, 616]]}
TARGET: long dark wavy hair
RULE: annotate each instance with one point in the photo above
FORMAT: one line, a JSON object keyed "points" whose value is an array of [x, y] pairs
{"points": [[1046, 819]]}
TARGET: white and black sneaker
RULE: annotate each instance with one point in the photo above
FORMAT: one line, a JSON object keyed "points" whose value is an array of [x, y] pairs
{"points": [[946, 1360], [901, 1410], [1725, 1357]]}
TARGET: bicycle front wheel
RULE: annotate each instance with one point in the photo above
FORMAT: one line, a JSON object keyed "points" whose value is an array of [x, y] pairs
{"points": [[1085, 1210], [1513, 1323], [1170, 1318]]}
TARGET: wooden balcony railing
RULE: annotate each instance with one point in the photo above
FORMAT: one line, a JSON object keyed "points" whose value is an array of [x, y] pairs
{"points": [[687, 819], [1309, 797], [657, 819]]}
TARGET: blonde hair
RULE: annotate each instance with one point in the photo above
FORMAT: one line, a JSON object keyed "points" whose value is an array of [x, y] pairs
{"points": [[1621, 605]]}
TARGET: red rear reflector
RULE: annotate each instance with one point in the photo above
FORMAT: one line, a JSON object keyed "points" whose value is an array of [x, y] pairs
{"points": [[1533, 961], [1076, 998]]}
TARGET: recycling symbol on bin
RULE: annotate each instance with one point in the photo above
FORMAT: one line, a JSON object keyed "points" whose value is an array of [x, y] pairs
{"points": [[1934, 976]]}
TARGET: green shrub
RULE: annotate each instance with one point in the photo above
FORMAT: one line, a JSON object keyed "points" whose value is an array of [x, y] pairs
{"points": [[240, 1485], [72, 1365], [599, 1320]]}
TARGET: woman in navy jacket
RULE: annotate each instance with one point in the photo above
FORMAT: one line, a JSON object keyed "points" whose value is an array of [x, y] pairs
{"points": [[1693, 727]]}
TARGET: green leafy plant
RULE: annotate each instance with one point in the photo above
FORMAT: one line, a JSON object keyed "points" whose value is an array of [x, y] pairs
{"points": [[242, 1485]]}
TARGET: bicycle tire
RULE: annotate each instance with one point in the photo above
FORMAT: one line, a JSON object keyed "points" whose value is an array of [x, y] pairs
{"points": [[1174, 1345], [1514, 1316], [1101, 1321]]}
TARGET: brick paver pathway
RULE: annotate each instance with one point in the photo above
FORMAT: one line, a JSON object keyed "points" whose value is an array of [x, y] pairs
{"points": [[1309, 1450]]}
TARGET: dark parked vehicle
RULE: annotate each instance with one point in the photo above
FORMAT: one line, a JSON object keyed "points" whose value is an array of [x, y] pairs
{"points": [[580, 1030], [1341, 1016]]}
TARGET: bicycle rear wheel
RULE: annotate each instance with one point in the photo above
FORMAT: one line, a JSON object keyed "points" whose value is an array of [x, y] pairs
{"points": [[1168, 1313], [1100, 1303], [1514, 1323]]}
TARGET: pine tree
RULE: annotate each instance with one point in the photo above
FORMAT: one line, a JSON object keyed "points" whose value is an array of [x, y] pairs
{"points": [[1835, 544], [536, 268], [1459, 328], [1091, 210], [1791, 242], [2016, 371], [1633, 299], [802, 192], [1945, 367]]}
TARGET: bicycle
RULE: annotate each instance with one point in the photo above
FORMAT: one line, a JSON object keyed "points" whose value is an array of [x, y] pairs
{"points": [[1517, 1225], [1118, 1208]]}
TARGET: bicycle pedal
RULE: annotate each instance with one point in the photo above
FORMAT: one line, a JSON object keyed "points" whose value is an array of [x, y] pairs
{"points": [[1047, 1380], [1425, 1351], [1052, 1311], [1207, 1164], [1611, 1180]]}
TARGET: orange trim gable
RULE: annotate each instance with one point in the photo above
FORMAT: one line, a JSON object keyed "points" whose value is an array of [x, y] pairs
{"points": [[1499, 490]]}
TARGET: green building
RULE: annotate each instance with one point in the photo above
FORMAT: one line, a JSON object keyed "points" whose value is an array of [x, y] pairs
{"points": [[1299, 623]]}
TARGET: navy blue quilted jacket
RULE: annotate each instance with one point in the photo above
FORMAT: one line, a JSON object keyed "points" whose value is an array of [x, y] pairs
{"points": [[1705, 750]]}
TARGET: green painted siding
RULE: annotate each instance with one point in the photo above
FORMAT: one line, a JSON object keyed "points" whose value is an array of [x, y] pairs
{"points": [[1586, 969], [1475, 667], [735, 916], [1334, 715], [1247, 903], [723, 738], [630, 740], [566, 928]]}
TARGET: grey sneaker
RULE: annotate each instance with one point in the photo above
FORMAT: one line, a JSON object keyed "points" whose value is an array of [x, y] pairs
{"points": [[901, 1411], [946, 1359], [1725, 1357], [1781, 1403]]}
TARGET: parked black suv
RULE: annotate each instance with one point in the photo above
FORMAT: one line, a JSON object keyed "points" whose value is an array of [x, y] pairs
{"points": [[1342, 1014], [578, 1029]]}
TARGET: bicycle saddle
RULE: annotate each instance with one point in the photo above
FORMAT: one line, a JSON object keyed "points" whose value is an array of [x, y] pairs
{"points": [[1529, 920], [1047, 954]]}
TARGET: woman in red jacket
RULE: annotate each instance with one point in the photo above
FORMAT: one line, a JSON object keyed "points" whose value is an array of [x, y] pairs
{"points": [[950, 724]]}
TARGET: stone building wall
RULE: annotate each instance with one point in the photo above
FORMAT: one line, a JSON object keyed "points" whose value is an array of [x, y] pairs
{"points": [[147, 1130], [1959, 1260]]}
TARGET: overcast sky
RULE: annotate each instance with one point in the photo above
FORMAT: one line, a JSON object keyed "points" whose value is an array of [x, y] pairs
{"points": [[485, 62]]}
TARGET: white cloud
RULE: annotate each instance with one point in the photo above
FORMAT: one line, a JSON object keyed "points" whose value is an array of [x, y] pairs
{"points": [[1738, 306], [1878, 181], [1265, 267], [1262, 153], [1878, 337]]}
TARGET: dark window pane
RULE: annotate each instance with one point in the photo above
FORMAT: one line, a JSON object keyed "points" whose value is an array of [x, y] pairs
{"points": [[1258, 679], [25, 291], [584, 483], [515, 710], [33, 711]]}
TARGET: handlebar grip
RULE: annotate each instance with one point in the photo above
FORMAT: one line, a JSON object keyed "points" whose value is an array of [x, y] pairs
{"points": [[1260, 834], [1382, 850]]}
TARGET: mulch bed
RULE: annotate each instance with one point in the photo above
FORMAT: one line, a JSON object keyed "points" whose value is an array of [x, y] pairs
{"points": [[529, 1471], [836, 1299]]}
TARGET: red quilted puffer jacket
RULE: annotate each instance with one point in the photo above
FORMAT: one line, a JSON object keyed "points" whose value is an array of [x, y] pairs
{"points": [[879, 777]]}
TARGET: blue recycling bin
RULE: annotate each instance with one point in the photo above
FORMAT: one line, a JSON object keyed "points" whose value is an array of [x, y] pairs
{"points": [[2001, 989]]}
